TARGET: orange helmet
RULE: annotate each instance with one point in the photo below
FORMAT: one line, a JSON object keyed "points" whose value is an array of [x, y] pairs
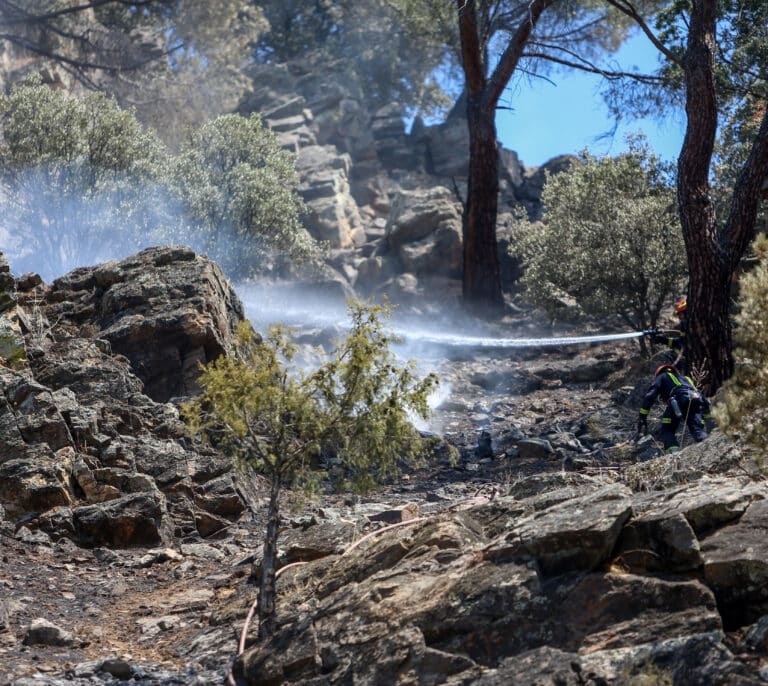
{"points": [[681, 306], [665, 368]]}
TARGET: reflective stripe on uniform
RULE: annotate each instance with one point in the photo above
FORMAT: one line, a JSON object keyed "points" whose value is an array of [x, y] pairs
{"points": [[642, 411], [666, 420], [675, 380]]}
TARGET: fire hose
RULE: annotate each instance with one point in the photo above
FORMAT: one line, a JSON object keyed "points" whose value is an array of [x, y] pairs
{"points": [[490, 342]]}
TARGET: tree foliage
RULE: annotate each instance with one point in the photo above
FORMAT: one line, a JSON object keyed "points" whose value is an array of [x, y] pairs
{"points": [[496, 41], [739, 66], [713, 55], [74, 170], [76, 35], [743, 410], [276, 418], [609, 239], [83, 181], [392, 60], [205, 48], [239, 199], [176, 62]]}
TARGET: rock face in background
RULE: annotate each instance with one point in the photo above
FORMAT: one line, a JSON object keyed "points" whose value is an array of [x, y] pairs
{"points": [[361, 171], [91, 450]]}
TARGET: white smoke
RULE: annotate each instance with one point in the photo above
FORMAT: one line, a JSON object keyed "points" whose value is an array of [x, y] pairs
{"points": [[46, 230]]}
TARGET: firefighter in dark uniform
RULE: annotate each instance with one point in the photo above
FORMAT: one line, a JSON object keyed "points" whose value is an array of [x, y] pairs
{"points": [[684, 404]]}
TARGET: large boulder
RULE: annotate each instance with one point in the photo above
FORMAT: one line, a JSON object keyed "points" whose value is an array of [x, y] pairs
{"points": [[447, 146], [424, 231], [35, 485], [574, 535], [166, 309], [736, 566], [137, 519], [86, 453]]}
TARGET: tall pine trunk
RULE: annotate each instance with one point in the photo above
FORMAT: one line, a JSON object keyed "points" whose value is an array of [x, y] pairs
{"points": [[713, 255], [481, 286], [709, 327]]}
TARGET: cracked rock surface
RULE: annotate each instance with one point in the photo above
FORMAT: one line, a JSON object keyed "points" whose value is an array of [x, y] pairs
{"points": [[554, 551]]}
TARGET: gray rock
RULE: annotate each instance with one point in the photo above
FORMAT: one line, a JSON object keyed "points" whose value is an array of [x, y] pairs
{"points": [[757, 635], [659, 544], [35, 485], [535, 448], [570, 536], [696, 659], [136, 519], [416, 215], [165, 309], [736, 566], [120, 669], [43, 632], [543, 666]]}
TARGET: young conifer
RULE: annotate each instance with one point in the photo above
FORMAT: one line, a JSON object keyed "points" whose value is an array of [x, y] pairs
{"points": [[276, 419]]}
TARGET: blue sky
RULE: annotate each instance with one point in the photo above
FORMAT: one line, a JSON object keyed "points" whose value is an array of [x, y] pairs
{"points": [[567, 114]]}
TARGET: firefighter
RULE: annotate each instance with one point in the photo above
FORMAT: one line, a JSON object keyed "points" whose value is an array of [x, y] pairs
{"points": [[684, 403]]}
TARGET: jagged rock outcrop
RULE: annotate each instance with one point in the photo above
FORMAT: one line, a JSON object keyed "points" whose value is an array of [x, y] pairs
{"points": [[632, 570], [358, 167], [88, 454], [333, 215], [590, 583], [166, 309]]}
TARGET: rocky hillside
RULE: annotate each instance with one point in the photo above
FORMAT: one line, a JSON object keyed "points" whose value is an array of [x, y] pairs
{"points": [[386, 200], [555, 551]]}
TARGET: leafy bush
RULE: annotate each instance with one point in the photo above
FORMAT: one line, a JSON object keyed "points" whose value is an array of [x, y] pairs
{"points": [[83, 182], [743, 410], [79, 176], [276, 419], [238, 191], [609, 239]]}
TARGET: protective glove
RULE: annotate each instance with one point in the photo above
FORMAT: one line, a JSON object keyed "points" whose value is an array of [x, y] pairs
{"points": [[642, 425]]}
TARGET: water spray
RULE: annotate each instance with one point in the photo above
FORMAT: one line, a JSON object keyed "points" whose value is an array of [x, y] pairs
{"points": [[491, 342], [264, 304]]}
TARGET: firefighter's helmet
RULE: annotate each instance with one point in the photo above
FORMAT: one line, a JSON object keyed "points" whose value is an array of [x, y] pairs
{"points": [[681, 306], [665, 368]]}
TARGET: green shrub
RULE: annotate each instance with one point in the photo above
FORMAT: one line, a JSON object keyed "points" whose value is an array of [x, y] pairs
{"points": [[79, 176], [609, 239], [743, 410], [238, 191], [83, 182]]}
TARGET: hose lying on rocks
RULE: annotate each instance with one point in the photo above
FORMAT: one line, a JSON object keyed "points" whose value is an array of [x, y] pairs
{"points": [[476, 499]]}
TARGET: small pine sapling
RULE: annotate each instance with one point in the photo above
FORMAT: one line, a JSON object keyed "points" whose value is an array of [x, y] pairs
{"points": [[276, 419]]}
